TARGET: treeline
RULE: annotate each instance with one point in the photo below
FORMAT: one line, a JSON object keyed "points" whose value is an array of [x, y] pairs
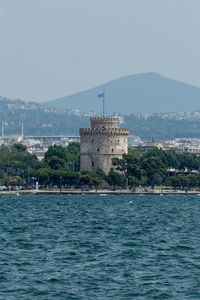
{"points": [[158, 167], [17, 166], [61, 168]]}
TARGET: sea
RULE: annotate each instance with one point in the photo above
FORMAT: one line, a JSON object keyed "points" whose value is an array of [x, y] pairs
{"points": [[99, 247]]}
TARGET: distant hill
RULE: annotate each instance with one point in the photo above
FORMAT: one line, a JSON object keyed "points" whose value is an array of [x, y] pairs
{"points": [[142, 93], [47, 121], [38, 119]]}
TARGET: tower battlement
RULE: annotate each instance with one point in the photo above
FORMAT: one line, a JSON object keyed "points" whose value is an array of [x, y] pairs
{"points": [[106, 131]]}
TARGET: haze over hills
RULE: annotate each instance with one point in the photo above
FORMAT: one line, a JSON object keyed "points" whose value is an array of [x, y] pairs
{"points": [[40, 119], [48, 121], [142, 93]]}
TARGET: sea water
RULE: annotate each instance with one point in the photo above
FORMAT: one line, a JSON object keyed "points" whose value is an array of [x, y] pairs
{"points": [[92, 247]]}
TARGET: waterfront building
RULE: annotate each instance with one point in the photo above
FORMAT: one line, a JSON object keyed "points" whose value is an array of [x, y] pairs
{"points": [[102, 142]]}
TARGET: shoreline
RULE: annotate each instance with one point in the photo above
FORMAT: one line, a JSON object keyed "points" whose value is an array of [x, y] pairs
{"points": [[98, 192]]}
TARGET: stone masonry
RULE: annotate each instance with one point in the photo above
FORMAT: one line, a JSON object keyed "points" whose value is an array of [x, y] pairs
{"points": [[102, 142]]}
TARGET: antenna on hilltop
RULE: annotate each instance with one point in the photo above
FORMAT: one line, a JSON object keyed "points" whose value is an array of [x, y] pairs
{"points": [[22, 120], [2, 130]]}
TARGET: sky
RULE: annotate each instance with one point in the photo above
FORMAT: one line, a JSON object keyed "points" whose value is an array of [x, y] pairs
{"points": [[54, 48]]}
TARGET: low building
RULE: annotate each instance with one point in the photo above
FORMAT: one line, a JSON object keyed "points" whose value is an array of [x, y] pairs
{"points": [[143, 147]]}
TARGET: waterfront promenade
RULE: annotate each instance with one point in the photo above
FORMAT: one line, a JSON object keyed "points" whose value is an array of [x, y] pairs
{"points": [[101, 192]]}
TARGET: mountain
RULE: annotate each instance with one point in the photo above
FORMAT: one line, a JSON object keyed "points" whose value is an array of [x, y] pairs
{"points": [[146, 93]]}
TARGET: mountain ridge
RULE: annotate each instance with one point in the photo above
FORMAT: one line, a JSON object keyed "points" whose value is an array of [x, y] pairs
{"points": [[139, 93]]}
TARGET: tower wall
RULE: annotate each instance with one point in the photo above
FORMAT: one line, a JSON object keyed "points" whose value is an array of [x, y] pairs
{"points": [[104, 123], [102, 142]]}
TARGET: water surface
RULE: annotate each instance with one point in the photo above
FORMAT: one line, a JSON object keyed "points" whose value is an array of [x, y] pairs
{"points": [[99, 247]]}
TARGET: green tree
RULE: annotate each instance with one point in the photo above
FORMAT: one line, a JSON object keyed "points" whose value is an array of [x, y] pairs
{"points": [[189, 161], [16, 181], [73, 156], [16, 161], [129, 167], [72, 179], [155, 170], [190, 181], [90, 178], [115, 179], [100, 174], [168, 157], [175, 182], [56, 163], [19, 147], [70, 155], [44, 175], [55, 151]]}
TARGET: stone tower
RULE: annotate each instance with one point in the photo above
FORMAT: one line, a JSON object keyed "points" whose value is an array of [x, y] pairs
{"points": [[102, 142]]}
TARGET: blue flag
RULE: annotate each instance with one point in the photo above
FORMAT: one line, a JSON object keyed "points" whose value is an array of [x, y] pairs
{"points": [[100, 95]]}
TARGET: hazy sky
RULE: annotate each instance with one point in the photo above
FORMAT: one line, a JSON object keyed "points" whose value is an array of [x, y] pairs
{"points": [[53, 48]]}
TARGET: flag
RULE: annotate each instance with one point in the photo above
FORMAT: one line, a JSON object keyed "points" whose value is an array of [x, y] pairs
{"points": [[100, 95]]}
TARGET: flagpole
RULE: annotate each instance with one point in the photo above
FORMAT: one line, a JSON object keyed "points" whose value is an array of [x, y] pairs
{"points": [[103, 103], [102, 95]]}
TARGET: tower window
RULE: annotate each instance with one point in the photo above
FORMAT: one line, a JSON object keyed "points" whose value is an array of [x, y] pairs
{"points": [[98, 149], [92, 164], [112, 150], [92, 140]]}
